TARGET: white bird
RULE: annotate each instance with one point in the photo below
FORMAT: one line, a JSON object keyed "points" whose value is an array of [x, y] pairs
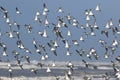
{"points": [[69, 18], [45, 8], [37, 13], [70, 64], [58, 24], [48, 70], [46, 56], [5, 15], [34, 43], [90, 13], [69, 72], [66, 44], [86, 12], [38, 51], [75, 42], [97, 7], [87, 24], [43, 57], [36, 16], [28, 51], [52, 49], [55, 44], [44, 33], [87, 18], [46, 23], [67, 76], [69, 33], [92, 33], [92, 50], [95, 25], [68, 53], [60, 10], [75, 22], [117, 72], [110, 22], [4, 53], [44, 13], [102, 42], [115, 42], [20, 44], [81, 38], [53, 64], [33, 70], [8, 20], [17, 11], [106, 55], [10, 69], [10, 34], [107, 25]]}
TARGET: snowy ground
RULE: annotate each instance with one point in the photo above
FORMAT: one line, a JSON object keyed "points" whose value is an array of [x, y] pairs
{"points": [[80, 71], [48, 78]]}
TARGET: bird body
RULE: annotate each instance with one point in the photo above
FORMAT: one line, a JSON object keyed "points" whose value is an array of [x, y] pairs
{"points": [[48, 70]]}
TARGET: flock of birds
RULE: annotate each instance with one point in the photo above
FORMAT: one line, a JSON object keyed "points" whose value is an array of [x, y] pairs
{"points": [[55, 33]]}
